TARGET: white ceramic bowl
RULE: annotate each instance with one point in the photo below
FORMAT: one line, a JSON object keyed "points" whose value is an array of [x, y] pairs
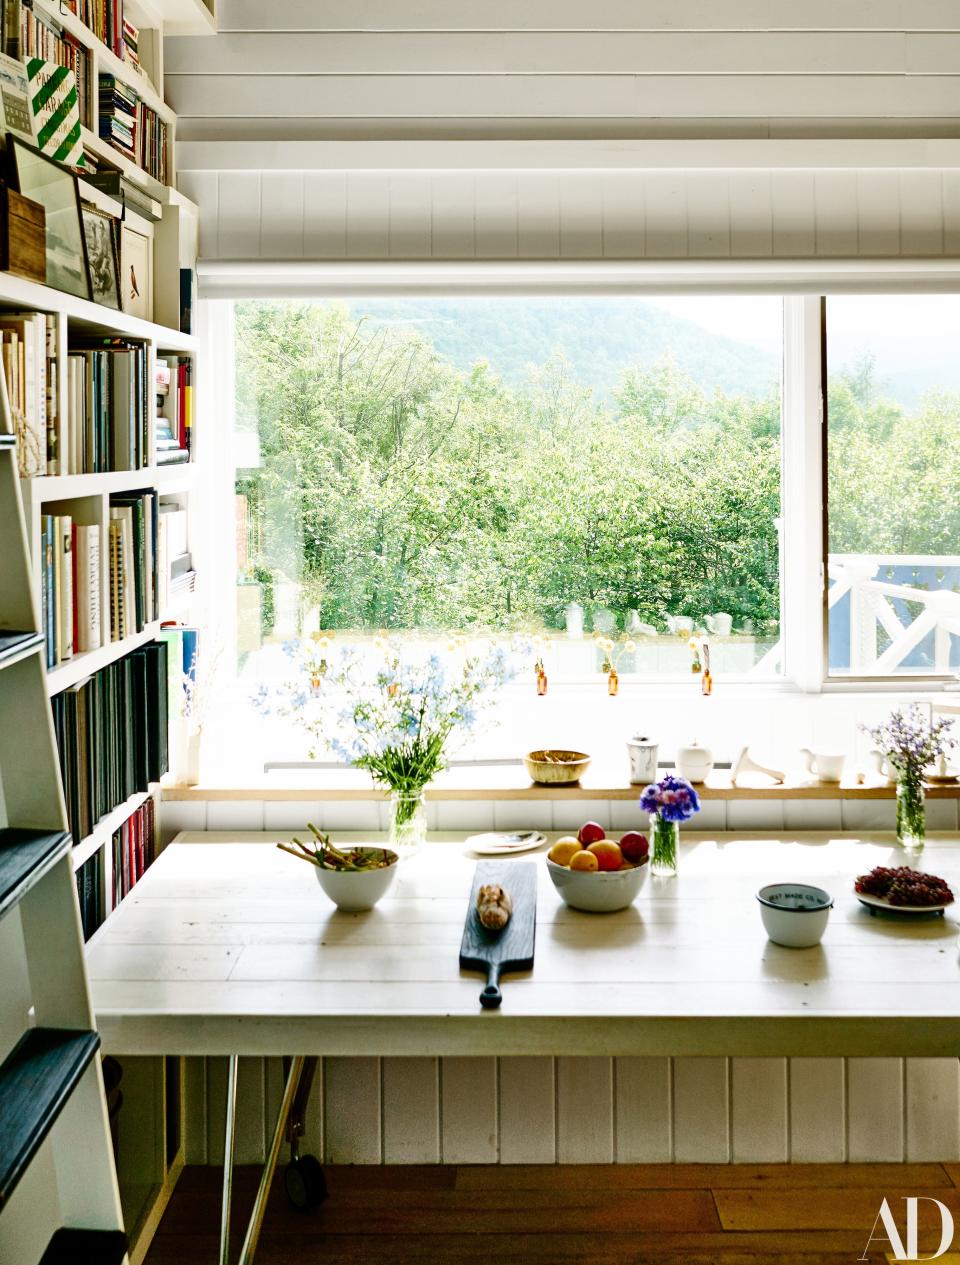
{"points": [[597, 891], [795, 914], [356, 890]]}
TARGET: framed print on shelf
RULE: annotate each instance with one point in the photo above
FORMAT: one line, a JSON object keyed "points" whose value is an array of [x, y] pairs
{"points": [[101, 242], [54, 186], [136, 273]]}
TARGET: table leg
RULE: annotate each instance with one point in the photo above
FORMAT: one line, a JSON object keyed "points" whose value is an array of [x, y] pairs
{"points": [[266, 1178], [228, 1160]]}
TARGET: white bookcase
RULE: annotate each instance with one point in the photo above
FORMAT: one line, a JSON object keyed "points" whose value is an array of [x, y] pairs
{"points": [[150, 1152]]}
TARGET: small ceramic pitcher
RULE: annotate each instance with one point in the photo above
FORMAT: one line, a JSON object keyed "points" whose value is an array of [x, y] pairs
{"points": [[828, 767], [643, 760]]}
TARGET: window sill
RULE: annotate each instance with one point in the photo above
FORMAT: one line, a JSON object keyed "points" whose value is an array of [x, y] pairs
{"points": [[510, 783]]}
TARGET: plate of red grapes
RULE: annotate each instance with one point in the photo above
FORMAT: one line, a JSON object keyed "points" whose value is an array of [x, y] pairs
{"points": [[903, 891]]}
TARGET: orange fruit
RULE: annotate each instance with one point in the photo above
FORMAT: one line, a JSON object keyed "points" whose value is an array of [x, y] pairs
{"points": [[608, 854], [563, 850], [584, 860]]}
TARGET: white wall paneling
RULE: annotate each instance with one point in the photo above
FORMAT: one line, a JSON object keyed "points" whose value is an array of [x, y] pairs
{"points": [[411, 1111], [527, 1111], [585, 1110], [818, 1132], [758, 1111], [469, 1111], [501, 215], [875, 1110]]}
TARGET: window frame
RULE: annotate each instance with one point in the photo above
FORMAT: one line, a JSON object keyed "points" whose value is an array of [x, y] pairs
{"points": [[804, 420]]}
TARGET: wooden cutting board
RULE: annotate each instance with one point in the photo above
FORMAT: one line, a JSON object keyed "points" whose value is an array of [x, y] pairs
{"points": [[495, 953]]}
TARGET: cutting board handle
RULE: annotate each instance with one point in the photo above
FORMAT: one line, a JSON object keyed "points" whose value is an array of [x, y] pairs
{"points": [[491, 997]]}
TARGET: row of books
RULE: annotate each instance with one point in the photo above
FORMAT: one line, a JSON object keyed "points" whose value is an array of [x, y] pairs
{"points": [[107, 426], [29, 361], [132, 127], [104, 18], [148, 565], [174, 386], [69, 586], [112, 735], [90, 894], [134, 562], [42, 37], [133, 850]]}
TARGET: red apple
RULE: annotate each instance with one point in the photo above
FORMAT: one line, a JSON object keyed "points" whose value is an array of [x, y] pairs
{"points": [[634, 846], [590, 832]]}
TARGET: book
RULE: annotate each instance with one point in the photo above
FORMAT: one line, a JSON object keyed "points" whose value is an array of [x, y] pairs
{"points": [[65, 570], [109, 412], [86, 556], [24, 359], [47, 598], [117, 603]]}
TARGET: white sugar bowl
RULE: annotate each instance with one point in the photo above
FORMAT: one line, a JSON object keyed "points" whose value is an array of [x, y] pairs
{"points": [[694, 763]]}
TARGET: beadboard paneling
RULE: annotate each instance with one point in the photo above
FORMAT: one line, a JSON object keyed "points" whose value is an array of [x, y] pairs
{"points": [[380, 215]]}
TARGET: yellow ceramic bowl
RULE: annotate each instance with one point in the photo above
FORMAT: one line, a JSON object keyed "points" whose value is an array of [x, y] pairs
{"points": [[556, 768]]}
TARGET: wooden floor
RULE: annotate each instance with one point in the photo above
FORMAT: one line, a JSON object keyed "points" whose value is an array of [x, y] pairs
{"points": [[570, 1215]]}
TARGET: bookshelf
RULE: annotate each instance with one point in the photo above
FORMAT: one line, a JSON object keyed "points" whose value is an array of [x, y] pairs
{"points": [[150, 1123]]}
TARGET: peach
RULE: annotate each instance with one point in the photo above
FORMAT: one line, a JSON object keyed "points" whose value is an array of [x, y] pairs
{"points": [[584, 861], [608, 854], [590, 832], [563, 850]]}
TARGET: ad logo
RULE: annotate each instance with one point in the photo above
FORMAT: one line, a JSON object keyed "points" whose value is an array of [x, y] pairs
{"points": [[906, 1250]]}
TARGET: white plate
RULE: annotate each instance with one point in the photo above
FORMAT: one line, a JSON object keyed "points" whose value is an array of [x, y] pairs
{"points": [[498, 844], [881, 902]]}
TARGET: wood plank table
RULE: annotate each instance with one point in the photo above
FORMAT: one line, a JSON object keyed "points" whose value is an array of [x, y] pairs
{"points": [[227, 946]]}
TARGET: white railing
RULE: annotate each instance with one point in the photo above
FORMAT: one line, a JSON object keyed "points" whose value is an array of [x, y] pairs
{"points": [[872, 608]]}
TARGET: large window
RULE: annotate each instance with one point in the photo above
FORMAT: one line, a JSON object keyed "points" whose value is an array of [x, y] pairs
{"points": [[894, 484], [569, 471]]}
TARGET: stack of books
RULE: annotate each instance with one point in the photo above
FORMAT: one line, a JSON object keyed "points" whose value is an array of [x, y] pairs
{"points": [[108, 422], [118, 116], [112, 735], [133, 128], [28, 354], [134, 850], [89, 879], [41, 36], [131, 44], [174, 393], [133, 557], [69, 586]]}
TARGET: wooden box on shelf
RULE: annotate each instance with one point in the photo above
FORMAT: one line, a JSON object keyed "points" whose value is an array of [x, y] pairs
{"points": [[22, 236]]}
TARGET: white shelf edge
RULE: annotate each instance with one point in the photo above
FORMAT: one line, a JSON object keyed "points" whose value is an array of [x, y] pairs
{"points": [[65, 487], [82, 665], [18, 291], [105, 827]]}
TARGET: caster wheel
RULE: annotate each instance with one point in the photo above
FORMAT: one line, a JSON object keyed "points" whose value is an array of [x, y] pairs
{"points": [[305, 1183]]}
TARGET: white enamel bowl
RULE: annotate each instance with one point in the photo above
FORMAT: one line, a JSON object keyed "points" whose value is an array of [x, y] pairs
{"points": [[357, 890], [597, 891], [795, 914]]}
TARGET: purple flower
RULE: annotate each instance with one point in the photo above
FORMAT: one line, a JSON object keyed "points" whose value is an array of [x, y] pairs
{"points": [[671, 797], [911, 742]]}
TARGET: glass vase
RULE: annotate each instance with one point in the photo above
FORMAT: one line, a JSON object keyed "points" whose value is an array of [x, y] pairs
{"points": [[408, 823], [666, 839], [911, 814]]}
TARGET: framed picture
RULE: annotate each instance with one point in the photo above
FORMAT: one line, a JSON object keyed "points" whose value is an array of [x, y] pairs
{"points": [[45, 181], [136, 273], [101, 242]]}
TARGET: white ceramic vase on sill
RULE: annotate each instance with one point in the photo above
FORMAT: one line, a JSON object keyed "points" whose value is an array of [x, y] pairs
{"points": [[694, 763]]}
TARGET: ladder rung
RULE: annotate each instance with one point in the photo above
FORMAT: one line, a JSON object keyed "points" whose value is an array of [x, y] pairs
{"points": [[36, 1080], [25, 857], [85, 1247]]}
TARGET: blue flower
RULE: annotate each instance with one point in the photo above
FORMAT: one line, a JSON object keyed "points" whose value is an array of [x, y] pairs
{"points": [[672, 798]]}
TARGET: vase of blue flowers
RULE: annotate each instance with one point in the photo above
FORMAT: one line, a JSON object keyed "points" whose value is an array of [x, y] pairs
{"points": [[669, 802], [910, 742], [392, 712]]}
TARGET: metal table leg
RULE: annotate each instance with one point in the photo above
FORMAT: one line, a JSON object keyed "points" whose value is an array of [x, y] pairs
{"points": [[266, 1178], [228, 1160]]}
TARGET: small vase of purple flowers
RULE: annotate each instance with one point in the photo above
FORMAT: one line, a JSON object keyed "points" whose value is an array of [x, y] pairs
{"points": [[911, 741], [669, 802]]}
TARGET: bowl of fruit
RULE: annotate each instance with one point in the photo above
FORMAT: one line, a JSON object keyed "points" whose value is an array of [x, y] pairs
{"points": [[353, 878], [596, 874]]}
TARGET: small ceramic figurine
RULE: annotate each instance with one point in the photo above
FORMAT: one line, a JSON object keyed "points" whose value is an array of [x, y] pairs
{"points": [[694, 763], [745, 763]]}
